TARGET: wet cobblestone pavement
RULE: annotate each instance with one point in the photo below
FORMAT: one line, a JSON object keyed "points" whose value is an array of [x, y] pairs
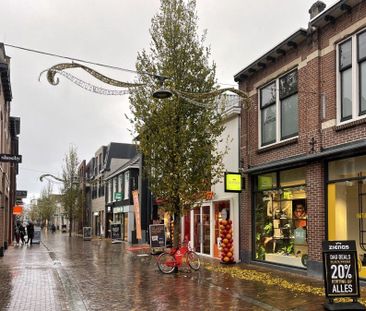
{"points": [[65, 273]]}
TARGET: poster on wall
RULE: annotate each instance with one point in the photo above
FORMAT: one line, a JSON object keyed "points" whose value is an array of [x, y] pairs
{"points": [[136, 205]]}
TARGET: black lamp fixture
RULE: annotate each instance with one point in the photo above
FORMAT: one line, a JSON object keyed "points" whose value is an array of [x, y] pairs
{"points": [[162, 93]]}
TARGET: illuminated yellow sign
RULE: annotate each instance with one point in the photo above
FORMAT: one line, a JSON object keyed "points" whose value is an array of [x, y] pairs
{"points": [[233, 182]]}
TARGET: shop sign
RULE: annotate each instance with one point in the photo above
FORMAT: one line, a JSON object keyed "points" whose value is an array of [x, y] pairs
{"points": [[12, 158], [37, 235], [87, 233], [340, 269], [135, 196], [116, 232], [117, 210], [118, 196], [21, 194], [233, 182], [157, 236], [17, 210]]}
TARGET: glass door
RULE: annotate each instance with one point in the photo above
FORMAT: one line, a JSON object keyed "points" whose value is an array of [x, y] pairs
{"points": [[197, 230], [206, 241]]}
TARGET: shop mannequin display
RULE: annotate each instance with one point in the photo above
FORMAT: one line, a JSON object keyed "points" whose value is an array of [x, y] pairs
{"points": [[300, 216]]}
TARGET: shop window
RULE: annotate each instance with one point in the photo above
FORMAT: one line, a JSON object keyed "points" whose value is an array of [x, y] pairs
{"points": [[292, 177], [347, 204], [267, 181], [281, 220], [347, 168]]}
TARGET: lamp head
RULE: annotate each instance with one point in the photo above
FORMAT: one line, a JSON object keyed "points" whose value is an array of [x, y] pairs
{"points": [[162, 93]]}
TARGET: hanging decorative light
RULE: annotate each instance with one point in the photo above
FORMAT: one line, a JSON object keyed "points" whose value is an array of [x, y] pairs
{"points": [[199, 99], [162, 93]]}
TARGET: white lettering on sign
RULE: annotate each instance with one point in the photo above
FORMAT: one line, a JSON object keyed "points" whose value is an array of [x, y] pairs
{"points": [[342, 288], [338, 247]]}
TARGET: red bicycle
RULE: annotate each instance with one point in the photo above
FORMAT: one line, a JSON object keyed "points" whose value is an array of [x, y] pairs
{"points": [[167, 261]]}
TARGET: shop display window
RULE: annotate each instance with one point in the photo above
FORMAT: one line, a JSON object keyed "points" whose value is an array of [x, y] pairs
{"points": [[281, 219], [347, 204]]}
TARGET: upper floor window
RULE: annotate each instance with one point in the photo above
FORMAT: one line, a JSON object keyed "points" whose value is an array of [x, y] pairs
{"points": [[120, 182], [127, 185], [279, 109], [351, 77]]}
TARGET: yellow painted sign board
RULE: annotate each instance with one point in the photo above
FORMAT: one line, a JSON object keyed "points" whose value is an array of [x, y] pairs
{"points": [[233, 182]]}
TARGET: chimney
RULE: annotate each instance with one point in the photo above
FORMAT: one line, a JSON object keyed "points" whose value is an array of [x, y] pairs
{"points": [[316, 8]]}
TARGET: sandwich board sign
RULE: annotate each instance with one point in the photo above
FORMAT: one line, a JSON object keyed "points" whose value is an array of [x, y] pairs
{"points": [[87, 233], [37, 235], [341, 280], [157, 236], [116, 233]]}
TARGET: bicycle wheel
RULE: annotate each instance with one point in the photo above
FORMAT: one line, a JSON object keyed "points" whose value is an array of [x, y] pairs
{"points": [[193, 260], [166, 263]]}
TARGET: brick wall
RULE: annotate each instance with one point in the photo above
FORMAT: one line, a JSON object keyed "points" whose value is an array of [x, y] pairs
{"points": [[316, 80], [316, 212]]}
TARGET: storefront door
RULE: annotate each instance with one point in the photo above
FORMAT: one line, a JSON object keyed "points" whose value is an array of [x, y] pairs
{"points": [[202, 230], [218, 209], [125, 226]]}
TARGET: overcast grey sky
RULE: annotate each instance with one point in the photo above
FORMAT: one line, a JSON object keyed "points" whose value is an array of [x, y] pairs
{"points": [[112, 32]]}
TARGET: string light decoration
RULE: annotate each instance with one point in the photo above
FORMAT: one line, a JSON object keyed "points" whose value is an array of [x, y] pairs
{"points": [[214, 98], [43, 176], [51, 72], [88, 86]]}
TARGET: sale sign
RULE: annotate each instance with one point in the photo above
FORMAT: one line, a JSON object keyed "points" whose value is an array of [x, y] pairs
{"points": [[340, 269]]}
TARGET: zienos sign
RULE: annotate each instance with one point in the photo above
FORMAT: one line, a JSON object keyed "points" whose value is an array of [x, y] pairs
{"points": [[340, 269]]}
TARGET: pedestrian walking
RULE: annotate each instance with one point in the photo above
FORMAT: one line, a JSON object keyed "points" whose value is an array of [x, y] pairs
{"points": [[22, 233], [17, 234], [53, 228], [30, 233]]}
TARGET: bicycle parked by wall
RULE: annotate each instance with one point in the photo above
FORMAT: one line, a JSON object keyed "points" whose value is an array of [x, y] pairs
{"points": [[168, 261]]}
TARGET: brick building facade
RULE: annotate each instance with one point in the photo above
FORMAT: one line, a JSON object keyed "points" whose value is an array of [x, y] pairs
{"points": [[9, 131], [303, 141]]}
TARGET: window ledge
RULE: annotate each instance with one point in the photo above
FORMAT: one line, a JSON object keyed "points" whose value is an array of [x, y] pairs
{"points": [[289, 141], [350, 124]]}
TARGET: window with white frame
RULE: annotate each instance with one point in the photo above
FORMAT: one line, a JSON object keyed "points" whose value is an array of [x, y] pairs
{"points": [[120, 182], [126, 184], [110, 191], [115, 187], [352, 77], [279, 109]]}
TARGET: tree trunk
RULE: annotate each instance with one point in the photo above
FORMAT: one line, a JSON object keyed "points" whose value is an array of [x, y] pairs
{"points": [[71, 221], [176, 229]]}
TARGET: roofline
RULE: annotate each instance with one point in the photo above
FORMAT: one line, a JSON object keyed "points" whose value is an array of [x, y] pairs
{"points": [[329, 15], [291, 38]]}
